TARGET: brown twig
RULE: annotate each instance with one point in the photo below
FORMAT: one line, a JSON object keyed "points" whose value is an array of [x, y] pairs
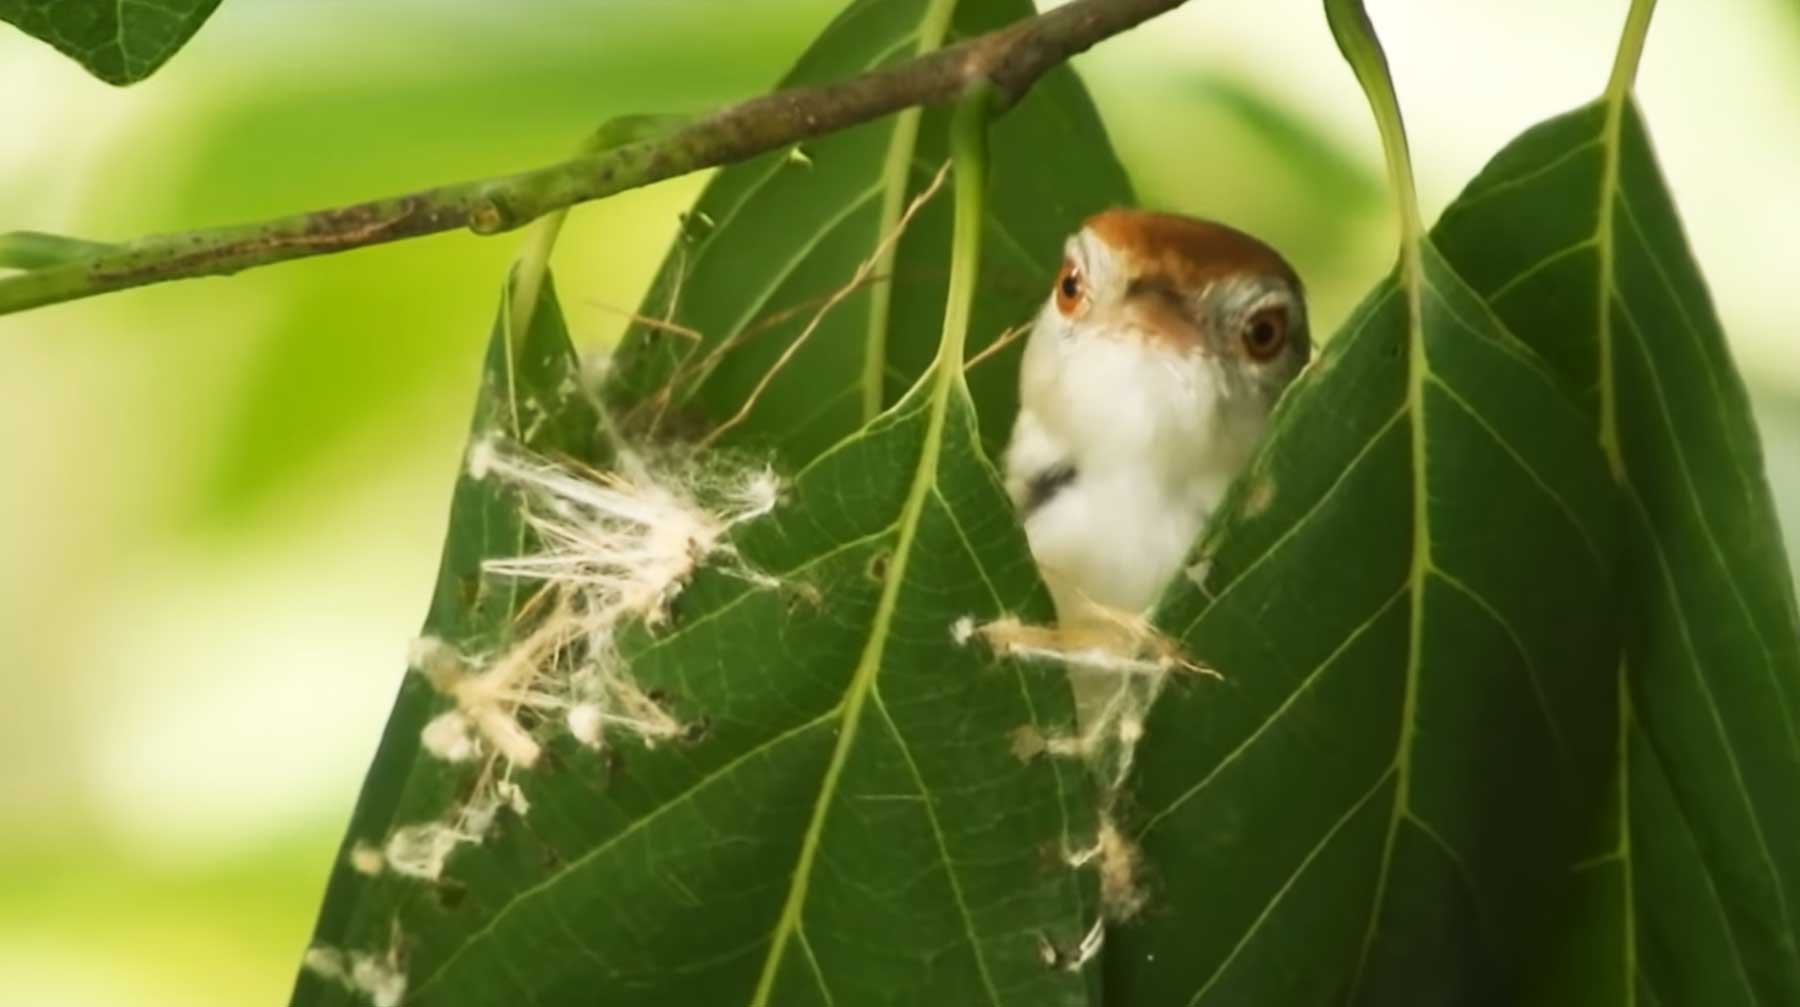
{"points": [[1010, 59], [857, 280], [681, 377], [672, 328], [1001, 342]]}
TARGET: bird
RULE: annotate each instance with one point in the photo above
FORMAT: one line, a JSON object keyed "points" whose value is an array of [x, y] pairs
{"points": [[1145, 385]]}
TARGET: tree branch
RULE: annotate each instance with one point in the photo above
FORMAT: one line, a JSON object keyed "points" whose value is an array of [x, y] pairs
{"points": [[1010, 59]]}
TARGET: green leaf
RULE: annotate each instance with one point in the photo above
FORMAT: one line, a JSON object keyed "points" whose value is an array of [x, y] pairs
{"points": [[1679, 884], [854, 827], [523, 379], [1394, 777], [1571, 234], [846, 819], [117, 41], [773, 237], [1408, 596]]}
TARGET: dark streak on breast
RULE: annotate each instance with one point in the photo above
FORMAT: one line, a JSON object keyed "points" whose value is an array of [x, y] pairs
{"points": [[1046, 484]]}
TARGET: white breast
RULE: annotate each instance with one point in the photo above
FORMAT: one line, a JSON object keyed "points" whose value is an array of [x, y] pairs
{"points": [[1108, 538], [1154, 442]]}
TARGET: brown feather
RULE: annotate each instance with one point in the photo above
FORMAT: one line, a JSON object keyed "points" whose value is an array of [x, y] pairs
{"points": [[1186, 252]]}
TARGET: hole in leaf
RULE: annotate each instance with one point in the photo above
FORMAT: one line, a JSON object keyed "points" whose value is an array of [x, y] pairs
{"points": [[801, 596], [612, 764], [878, 566], [696, 730], [549, 763], [450, 893]]}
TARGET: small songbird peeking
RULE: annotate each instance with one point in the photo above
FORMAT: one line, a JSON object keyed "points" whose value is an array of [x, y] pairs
{"points": [[1147, 380]]}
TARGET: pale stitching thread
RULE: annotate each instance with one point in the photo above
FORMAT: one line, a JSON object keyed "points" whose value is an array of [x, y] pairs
{"points": [[615, 548], [378, 975], [1108, 646], [1113, 646], [862, 276]]}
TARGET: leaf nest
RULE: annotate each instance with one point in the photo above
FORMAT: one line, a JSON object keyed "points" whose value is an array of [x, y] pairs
{"points": [[613, 549]]}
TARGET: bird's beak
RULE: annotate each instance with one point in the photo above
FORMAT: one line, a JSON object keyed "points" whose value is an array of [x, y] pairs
{"points": [[1162, 315]]}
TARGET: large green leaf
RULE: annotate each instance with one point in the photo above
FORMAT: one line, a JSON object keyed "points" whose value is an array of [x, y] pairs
{"points": [[1408, 602], [771, 238], [1483, 879], [845, 821], [119, 41], [1409, 598], [1571, 235], [853, 828], [524, 377]]}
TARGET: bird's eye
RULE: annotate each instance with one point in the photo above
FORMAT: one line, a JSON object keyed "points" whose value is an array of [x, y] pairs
{"points": [[1069, 288], [1265, 334]]}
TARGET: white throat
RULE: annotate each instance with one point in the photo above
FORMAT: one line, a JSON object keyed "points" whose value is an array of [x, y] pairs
{"points": [[1153, 436]]}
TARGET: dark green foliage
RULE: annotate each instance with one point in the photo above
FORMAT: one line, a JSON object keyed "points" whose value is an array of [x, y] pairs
{"points": [[1507, 641], [119, 41]]}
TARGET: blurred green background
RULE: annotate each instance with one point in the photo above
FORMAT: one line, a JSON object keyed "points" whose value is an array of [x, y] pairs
{"points": [[221, 501]]}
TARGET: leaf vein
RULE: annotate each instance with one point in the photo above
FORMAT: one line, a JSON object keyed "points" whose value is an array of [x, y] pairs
{"points": [[1526, 467], [1706, 873], [1712, 708], [1282, 890], [754, 590], [1463, 874], [1532, 674], [631, 829], [1549, 259], [817, 972], [1275, 715], [1303, 520], [1711, 536], [1470, 200], [937, 835]]}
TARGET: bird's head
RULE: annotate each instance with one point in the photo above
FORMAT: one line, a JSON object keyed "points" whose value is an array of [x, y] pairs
{"points": [[1166, 330], [1190, 288]]}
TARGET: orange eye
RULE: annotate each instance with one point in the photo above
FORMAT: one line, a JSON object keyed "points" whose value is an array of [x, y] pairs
{"points": [[1265, 334], [1069, 288]]}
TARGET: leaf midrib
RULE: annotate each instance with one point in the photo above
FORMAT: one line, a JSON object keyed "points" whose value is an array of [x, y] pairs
{"points": [[1605, 257], [862, 682], [902, 148], [1418, 370]]}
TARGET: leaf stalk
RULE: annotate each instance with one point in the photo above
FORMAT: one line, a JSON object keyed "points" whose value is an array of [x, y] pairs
{"points": [[1357, 40], [969, 162], [1631, 50]]}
